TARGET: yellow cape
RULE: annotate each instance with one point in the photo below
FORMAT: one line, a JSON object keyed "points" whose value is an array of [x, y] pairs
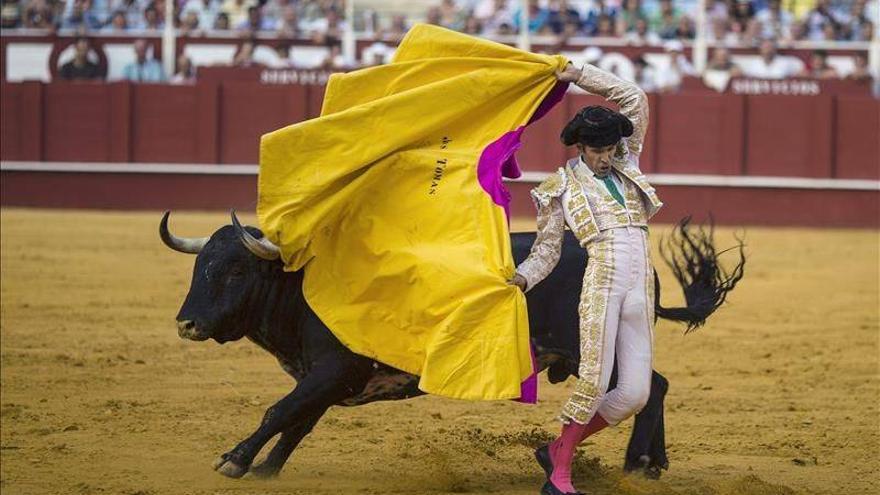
{"points": [[406, 256]]}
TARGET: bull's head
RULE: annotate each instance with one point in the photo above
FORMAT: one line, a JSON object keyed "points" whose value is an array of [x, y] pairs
{"points": [[233, 270]]}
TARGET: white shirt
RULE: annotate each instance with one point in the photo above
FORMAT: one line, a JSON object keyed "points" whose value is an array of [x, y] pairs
{"points": [[778, 68]]}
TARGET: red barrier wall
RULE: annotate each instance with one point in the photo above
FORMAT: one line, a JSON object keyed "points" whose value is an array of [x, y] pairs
{"points": [[250, 110], [21, 121], [168, 121], [87, 122], [856, 138], [789, 135], [126, 191], [699, 133]]}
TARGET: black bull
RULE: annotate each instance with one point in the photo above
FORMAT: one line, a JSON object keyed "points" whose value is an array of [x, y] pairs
{"points": [[239, 290]]}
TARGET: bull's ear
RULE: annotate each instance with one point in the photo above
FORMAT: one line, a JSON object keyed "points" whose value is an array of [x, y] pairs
{"points": [[189, 245], [262, 247]]}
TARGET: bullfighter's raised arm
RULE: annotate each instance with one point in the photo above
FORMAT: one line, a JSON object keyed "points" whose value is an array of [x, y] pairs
{"points": [[633, 102]]}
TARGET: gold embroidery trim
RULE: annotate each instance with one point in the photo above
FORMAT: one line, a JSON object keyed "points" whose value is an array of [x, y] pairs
{"points": [[552, 187], [585, 227], [587, 395]]}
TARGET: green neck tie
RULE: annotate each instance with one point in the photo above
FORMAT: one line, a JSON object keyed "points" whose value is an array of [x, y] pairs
{"points": [[612, 188]]}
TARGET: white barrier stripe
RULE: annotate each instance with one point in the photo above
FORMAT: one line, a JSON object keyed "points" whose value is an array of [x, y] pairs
{"points": [[528, 177], [740, 181]]}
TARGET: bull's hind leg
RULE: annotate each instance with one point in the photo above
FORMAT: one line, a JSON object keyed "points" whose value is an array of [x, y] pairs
{"points": [[647, 445], [333, 379], [287, 443]]}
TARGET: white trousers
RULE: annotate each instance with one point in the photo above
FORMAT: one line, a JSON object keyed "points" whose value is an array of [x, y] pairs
{"points": [[628, 327], [616, 318]]}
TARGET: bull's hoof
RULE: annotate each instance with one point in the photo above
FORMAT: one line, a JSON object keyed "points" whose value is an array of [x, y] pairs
{"points": [[265, 471], [645, 467], [228, 468]]}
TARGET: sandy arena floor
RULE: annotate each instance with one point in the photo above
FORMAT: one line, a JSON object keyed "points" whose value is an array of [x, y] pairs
{"points": [[777, 395]]}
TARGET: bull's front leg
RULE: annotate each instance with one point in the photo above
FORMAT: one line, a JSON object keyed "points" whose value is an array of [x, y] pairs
{"points": [[330, 381], [285, 446]]}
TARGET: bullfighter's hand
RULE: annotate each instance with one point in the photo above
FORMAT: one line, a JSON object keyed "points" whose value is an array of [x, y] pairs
{"points": [[519, 281], [570, 74]]}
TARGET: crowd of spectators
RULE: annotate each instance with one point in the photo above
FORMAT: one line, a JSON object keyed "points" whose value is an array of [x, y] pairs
{"points": [[734, 22], [763, 24], [652, 21], [285, 18]]}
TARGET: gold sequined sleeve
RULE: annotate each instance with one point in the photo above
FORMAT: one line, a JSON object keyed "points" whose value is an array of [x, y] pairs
{"points": [[548, 243], [633, 102]]}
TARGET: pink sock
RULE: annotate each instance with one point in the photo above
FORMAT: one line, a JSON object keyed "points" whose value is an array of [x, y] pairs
{"points": [[595, 425], [562, 452], [563, 448]]}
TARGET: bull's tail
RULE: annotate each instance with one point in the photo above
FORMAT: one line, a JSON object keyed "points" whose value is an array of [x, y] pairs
{"points": [[690, 253]]}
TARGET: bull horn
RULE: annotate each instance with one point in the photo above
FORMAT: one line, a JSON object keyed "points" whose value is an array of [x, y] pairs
{"points": [[261, 247], [189, 245]]}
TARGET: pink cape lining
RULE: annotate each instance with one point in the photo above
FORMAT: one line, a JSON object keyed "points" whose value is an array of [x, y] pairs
{"points": [[497, 161]]}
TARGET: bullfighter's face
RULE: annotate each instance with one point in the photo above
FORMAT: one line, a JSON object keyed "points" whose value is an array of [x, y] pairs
{"points": [[598, 159]]}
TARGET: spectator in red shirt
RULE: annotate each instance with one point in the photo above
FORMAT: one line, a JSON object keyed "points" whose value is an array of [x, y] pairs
{"points": [[818, 67]]}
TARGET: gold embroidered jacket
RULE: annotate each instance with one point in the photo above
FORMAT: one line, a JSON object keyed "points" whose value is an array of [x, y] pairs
{"points": [[572, 197]]}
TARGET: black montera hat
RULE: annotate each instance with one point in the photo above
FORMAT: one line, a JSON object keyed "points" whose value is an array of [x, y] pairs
{"points": [[596, 126]]}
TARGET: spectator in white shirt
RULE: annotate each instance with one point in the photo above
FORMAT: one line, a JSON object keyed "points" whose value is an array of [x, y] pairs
{"points": [[500, 15], [237, 10], [771, 66], [288, 23], [205, 10], [330, 25], [669, 77], [720, 70]]}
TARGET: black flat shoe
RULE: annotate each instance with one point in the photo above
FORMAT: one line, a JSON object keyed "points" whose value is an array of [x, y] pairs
{"points": [[542, 455], [550, 489]]}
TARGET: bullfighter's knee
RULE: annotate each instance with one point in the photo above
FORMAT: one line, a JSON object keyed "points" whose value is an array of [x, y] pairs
{"points": [[624, 401], [633, 398], [638, 397]]}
